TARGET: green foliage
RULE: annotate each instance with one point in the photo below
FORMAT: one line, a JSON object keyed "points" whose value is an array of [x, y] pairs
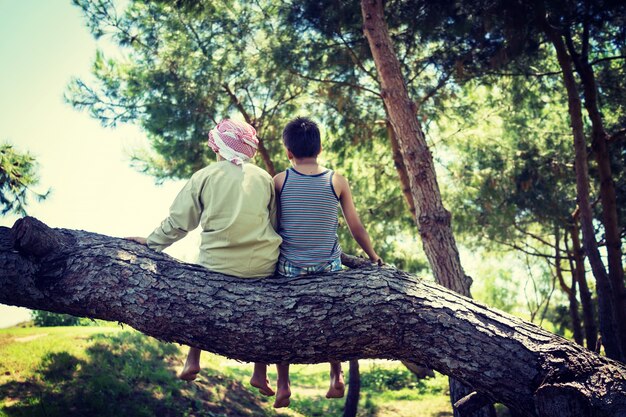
{"points": [[378, 378], [202, 62], [43, 318], [382, 378], [317, 406], [498, 286], [560, 318], [511, 169], [509, 178], [18, 173]]}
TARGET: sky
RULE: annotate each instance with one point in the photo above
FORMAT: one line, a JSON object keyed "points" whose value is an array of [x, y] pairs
{"points": [[43, 45]]}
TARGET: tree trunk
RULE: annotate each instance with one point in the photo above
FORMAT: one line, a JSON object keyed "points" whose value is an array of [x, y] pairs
{"points": [[354, 390], [403, 176], [605, 303], [267, 159], [589, 316], [570, 291], [362, 313], [433, 220], [573, 312]]}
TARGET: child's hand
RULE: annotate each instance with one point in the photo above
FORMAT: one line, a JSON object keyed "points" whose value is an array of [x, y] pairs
{"points": [[140, 240], [378, 261]]}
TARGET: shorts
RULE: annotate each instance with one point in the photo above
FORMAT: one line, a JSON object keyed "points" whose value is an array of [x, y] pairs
{"points": [[288, 269]]}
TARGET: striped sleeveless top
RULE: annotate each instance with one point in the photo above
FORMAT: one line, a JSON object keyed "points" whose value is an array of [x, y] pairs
{"points": [[309, 209]]}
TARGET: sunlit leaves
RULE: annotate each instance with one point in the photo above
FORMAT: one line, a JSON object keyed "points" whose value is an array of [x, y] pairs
{"points": [[185, 66], [513, 163], [18, 174]]}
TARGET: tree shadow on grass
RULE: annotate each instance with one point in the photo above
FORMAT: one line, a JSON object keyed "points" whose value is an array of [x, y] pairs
{"points": [[126, 374]]}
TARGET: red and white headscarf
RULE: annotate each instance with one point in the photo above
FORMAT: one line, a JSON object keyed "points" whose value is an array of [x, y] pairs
{"points": [[234, 141]]}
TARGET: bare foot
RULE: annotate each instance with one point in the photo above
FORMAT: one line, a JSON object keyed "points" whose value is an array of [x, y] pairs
{"points": [[189, 373], [282, 397], [337, 385], [263, 386]]}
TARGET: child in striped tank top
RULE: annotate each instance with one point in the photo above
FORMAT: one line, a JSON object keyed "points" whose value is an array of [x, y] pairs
{"points": [[309, 197]]}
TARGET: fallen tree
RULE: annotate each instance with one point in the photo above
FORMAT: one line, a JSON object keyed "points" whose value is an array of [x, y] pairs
{"points": [[368, 312]]}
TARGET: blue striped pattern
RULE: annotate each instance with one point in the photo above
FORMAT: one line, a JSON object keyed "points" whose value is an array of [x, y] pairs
{"points": [[309, 210]]}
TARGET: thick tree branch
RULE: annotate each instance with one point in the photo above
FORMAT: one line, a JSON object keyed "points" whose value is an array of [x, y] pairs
{"points": [[361, 313]]}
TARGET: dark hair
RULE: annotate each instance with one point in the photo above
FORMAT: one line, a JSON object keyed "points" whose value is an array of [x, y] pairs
{"points": [[302, 137]]}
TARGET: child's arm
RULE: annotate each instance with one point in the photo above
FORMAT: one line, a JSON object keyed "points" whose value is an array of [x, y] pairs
{"points": [[279, 180], [138, 239], [342, 189], [184, 217], [273, 208]]}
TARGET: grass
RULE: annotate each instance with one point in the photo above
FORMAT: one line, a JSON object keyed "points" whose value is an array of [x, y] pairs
{"points": [[110, 371]]}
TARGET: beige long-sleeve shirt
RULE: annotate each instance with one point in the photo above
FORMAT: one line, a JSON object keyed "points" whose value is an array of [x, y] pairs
{"points": [[236, 209]]}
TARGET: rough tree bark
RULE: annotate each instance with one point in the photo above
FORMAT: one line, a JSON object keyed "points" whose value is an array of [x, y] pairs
{"points": [[361, 313], [432, 218]]}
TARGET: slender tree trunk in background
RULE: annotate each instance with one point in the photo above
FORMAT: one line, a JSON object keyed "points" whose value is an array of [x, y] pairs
{"points": [[576, 324], [401, 168], [354, 390], [433, 220], [605, 302], [267, 159], [599, 144], [589, 315], [570, 291]]}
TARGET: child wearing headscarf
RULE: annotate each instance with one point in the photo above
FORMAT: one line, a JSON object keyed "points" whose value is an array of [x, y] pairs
{"points": [[233, 201]]}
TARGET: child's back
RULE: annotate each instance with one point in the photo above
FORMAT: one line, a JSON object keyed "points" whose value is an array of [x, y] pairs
{"points": [[309, 209], [234, 206]]}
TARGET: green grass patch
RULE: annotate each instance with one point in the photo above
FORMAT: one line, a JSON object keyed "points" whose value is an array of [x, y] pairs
{"points": [[111, 371], [84, 371]]}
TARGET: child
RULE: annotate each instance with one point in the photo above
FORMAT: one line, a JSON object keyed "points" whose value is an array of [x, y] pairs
{"points": [[309, 196], [233, 201]]}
